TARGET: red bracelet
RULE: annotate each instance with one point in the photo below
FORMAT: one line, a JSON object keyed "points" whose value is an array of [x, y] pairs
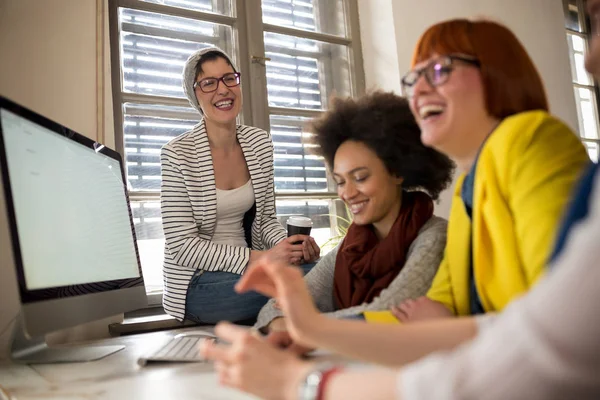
{"points": [[324, 379]]}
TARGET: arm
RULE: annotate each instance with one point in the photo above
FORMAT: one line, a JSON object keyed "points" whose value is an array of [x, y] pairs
{"points": [[441, 287], [388, 345], [319, 282], [548, 161], [182, 236], [553, 352], [391, 345], [422, 262], [272, 231]]}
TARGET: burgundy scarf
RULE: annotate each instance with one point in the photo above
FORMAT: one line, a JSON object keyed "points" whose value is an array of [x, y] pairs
{"points": [[364, 266]]}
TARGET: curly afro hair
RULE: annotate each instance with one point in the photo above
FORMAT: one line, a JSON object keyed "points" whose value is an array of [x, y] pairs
{"points": [[383, 122]]}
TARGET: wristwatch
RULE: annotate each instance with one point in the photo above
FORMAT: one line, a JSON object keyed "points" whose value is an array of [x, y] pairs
{"points": [[309, 388]]}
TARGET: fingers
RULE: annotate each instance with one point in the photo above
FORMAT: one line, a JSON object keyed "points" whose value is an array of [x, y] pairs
{"points": [[306, 251], [215, 352], [279, 339], [297, 238], [230, 332], [289, 250], [315, 247], [257, 279], [269, 278], [422, 299], [297, 261], [404, 311], [296, 251], [297, 349], [398, 313], [408, 305], [223, 373]]}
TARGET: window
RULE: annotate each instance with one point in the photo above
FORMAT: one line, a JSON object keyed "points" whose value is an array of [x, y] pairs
{"points": [[293, 54], [584, 85]]}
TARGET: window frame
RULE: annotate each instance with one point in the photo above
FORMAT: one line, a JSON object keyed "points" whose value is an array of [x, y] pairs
{"points": [[585, 34], [246, 21]]}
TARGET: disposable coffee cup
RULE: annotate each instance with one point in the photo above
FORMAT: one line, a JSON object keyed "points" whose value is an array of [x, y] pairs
{"points": [[298, 226]]}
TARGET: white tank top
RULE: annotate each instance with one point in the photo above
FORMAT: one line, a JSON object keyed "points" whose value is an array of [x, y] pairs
{"points": [[231, 207]]}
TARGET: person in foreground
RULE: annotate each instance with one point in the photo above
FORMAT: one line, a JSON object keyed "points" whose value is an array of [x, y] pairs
{"points": [[388, 179], [543, 346], [479, 99], [217, 201]]}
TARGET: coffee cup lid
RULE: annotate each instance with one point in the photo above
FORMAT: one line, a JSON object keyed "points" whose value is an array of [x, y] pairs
{"points": [[299, 221]]}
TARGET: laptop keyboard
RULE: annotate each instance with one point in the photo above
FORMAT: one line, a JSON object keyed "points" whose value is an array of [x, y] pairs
{"points": [[182, 348]]}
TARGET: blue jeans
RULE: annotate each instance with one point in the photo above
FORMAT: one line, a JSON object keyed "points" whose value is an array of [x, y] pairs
{"points": [[210, 298]]}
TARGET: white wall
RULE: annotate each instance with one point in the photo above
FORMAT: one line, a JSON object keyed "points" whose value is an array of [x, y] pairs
{"points": [[539, 24], [48, 63], [48, 53], [378, 37]]}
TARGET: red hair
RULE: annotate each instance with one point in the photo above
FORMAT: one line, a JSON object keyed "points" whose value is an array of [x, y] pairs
{"points": [[511, 82]]}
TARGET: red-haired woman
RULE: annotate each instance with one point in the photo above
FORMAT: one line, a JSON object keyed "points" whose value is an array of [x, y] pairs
{"points": [[478, 98]]}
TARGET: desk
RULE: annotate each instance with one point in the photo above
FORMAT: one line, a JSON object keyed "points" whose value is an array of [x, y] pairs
{"points": [[118, 376]]}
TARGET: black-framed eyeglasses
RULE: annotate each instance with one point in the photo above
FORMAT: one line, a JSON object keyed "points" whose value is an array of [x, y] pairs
{"points": [[208, 85], [436, 71]]}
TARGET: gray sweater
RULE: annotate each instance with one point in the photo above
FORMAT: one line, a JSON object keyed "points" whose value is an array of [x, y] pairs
{"points": [[422, 262]]}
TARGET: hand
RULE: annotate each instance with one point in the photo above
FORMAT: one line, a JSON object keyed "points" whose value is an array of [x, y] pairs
{"points": [[287, 251], [277, 324], [252, 365], [310, 250], [420, 309], [279, 337], [286, 284], [283, 340]]}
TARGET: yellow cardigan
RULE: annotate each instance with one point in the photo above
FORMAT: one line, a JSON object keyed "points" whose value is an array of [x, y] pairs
{"points": [[524, 177]]}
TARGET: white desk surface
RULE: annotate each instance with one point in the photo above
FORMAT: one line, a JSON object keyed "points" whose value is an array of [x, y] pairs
{"points": [[118, 376]]}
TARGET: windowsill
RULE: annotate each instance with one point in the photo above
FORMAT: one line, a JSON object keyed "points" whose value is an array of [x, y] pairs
{"points": [[154, 299]]}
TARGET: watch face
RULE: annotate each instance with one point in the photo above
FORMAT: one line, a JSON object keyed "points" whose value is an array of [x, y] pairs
{"points": [[309, 389]]}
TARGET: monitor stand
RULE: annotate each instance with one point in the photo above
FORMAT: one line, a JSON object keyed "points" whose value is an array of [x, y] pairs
{"points": [[27, 350]]}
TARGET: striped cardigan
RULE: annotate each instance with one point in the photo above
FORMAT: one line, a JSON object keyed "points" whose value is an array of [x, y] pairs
{"points": [[189, 210]]}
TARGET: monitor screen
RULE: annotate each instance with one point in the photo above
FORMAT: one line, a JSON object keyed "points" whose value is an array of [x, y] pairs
{"points": [[70, 211]]}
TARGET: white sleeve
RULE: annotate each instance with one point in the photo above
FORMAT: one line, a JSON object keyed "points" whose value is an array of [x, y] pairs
{"points": [[545, 345]]}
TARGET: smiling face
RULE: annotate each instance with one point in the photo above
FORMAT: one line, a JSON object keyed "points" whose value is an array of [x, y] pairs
{"points": [[450, 114], [224, 104], [365, 185]]}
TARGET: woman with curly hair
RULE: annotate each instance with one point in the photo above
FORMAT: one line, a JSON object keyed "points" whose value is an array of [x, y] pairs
{"points": [[388, 179]]}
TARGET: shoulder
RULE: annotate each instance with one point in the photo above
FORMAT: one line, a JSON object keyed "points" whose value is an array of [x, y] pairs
{"points": [[533, 136], [185, 141], [529, 127], [434, 225], [433, 230], [431, 240], [252, 133], [258, 141], [328, 259]]}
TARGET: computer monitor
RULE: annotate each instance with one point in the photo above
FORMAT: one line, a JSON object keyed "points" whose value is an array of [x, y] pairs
{"points": [[71, 231]]}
